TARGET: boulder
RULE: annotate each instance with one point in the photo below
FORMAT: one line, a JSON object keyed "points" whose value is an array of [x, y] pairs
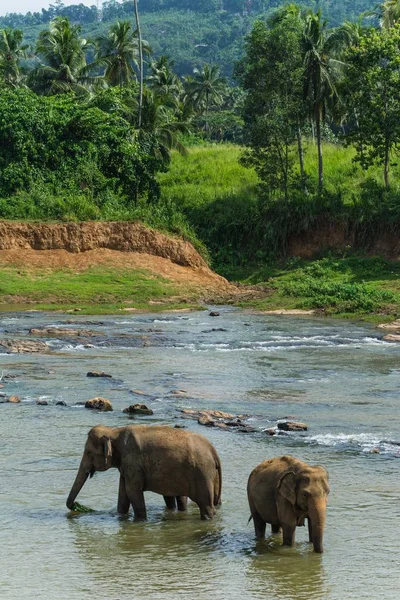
{"points": [[392, 337], [61, 332], [99, 404], [214, 313], [270, 431], [292, 426], [177, 393], [14, 399], [61, 403], [212, 414], [42, 402], [23, 346], [97, 374], [138, 409]]}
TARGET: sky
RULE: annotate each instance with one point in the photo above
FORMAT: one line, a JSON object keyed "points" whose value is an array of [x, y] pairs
{"points": [[24, 6]]}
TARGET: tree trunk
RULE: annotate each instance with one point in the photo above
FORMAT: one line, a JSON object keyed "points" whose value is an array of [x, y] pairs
{"points": [[301, 159], [135, 3], [319, 147], [386, 168]]}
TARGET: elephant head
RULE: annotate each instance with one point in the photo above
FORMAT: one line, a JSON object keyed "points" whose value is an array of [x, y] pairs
{"points": [[97, 456], [303, 494]]}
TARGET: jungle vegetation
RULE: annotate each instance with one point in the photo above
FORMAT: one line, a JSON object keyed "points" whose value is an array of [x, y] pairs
{"points": [[309, 130]]}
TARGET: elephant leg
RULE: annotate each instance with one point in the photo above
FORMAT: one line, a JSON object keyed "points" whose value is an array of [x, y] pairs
{"points": [[310, 533], [123, 499], [136, 498], [275, 528], [259, 525], [170, 502], [181, 502], [288, 534]]}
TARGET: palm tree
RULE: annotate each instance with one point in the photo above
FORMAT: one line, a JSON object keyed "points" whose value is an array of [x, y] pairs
{"points": [[158, 119], [320, 47], [163, 80], [63, 54], [11, 53], [206, 87], [118, 50], [139, 32], [389, 13]]}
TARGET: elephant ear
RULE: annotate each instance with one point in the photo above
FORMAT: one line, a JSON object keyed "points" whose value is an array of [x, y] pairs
{"points": [[287, 486], [107, 446]]}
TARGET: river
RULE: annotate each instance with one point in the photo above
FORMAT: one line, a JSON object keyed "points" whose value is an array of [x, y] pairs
{"points": [[340, 378]]}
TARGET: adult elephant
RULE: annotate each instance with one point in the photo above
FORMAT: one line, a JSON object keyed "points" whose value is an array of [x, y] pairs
{"points": [[157, 458], [283, 491]]}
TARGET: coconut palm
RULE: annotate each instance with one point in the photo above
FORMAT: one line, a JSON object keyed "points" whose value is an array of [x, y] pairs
{"points": [[321, 69], [206, 88], [62, 53], [158, 119], [11, 52], [389, 13], [139, 32], [163, 80], [118, 50]]}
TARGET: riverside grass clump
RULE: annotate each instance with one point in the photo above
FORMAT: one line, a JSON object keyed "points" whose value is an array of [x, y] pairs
{"points": [[364, 287]]}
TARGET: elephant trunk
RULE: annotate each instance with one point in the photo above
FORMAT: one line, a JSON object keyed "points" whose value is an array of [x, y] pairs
{"points": [[316, 514], [83, 474]]}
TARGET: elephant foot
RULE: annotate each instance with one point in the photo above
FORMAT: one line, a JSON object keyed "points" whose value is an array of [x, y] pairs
{"points": [[181, 502], [170, 502]]}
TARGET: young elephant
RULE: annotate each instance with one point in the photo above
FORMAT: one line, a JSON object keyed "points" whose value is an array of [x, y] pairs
{"points": [[161, 459], [283, 491]]}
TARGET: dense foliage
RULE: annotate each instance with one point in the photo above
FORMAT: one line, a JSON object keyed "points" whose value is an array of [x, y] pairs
{"points": [[192, 33]]}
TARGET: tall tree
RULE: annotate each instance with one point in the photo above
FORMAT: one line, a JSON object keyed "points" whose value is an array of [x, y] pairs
{"points": [[207, 88], [118, 50], [62, 52], [12, 50], [139, 33], [389, 13], [372, 84], [320, 46]]}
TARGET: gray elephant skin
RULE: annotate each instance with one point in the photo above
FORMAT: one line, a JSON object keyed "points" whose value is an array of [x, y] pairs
{"points": [[283, 492], [172, 462]]}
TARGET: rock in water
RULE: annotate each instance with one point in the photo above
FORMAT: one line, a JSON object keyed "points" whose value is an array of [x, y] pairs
{"points": [[138, 409], [14, 399], [97, 374], [99, 404], [292, 426]]}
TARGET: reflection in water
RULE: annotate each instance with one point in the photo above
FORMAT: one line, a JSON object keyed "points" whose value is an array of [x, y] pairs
{"points": [[158, 559], [286, 573]]}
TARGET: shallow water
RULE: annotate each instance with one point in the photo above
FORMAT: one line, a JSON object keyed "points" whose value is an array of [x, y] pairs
{"points": [[338, 377]]}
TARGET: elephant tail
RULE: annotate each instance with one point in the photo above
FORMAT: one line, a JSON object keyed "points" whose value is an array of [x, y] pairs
{"points": [[218, 487]]}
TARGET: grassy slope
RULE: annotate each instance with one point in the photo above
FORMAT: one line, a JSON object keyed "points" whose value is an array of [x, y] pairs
{"points": [[94, 291], [355, 286]]}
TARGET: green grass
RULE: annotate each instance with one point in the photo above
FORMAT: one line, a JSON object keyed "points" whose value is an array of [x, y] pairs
{"points": [[94, 291], [356, 287]]}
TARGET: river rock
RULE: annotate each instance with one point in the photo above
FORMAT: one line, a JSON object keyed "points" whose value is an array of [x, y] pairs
{"points": [[292, 426], [14, 399], [177, 393], [61, 332], [97, 374], [42, 403], [138, 409], [23, 347], [270, 431], [393, 325], [214, 313], [197, 414], [392, 337], [61, 403], [99, 404]]}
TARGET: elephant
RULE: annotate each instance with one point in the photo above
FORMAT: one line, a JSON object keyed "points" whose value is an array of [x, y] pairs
{"points": [[283, 491], [169, 461]]}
